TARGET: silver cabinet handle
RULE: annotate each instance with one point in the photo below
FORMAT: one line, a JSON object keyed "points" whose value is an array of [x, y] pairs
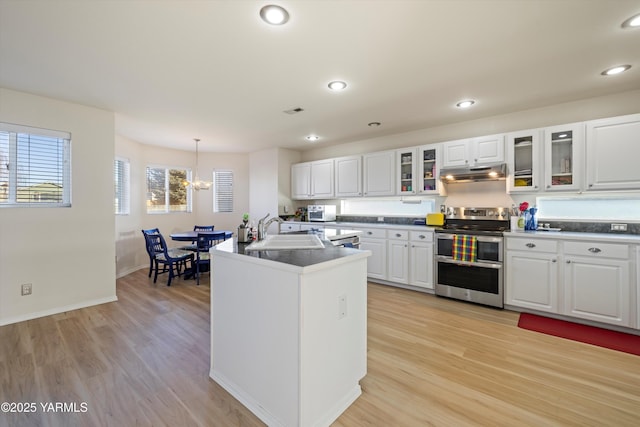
{"points": [[422, 236], [554, 260], [398, 234], [595, 250], [531, 245], [568, 262], [369, 233]]}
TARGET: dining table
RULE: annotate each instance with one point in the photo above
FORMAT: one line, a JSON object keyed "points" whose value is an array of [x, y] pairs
{"points": [[192, 236]]}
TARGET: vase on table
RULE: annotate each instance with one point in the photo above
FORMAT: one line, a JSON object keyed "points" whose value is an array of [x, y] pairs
{"points": [[531, 222]]}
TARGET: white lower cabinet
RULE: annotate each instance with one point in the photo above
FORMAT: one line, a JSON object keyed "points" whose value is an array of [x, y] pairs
{"points": [[398, 256], [421, 259], [531, 275], [584, 279], [375, 240], [596, 282]]}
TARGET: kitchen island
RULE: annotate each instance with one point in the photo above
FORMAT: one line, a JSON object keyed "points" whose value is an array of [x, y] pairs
{"points": [[289, 330]]}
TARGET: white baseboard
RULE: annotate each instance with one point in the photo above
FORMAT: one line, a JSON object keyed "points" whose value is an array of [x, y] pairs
{"points": [[120, 274], [57, 310]]}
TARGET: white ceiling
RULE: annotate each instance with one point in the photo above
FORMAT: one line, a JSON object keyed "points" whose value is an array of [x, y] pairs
{"points": [[177, 70]]}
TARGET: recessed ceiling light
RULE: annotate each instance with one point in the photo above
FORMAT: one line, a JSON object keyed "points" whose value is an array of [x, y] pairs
{"points": [[313, 137], [466, 103], [374, 124], [632, 22], [337, 85], [274, 15], [615, 70]]}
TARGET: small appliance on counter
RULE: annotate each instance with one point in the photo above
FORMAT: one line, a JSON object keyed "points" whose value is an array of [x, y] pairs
{"points": [[321, 213], [435, 219], [243, 234]]}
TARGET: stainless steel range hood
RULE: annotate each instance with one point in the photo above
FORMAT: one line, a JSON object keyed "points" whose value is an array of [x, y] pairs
{"points": [[494, 172]]}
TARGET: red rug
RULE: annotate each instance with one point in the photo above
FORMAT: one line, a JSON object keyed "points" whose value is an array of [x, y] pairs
{"points": [[606, 338]]}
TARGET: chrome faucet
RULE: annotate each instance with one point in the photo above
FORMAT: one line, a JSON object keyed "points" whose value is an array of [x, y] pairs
{"points": [[264, 226]]}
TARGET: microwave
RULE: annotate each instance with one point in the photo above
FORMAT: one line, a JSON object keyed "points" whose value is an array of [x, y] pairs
{"points": [[321, 212]]}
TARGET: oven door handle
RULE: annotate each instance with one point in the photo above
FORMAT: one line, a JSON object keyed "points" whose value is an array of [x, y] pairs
{"points": [[488, 239], [449, 260]]}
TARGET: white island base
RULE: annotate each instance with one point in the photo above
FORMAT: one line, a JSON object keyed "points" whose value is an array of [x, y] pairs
{"points": [[289, 342]]}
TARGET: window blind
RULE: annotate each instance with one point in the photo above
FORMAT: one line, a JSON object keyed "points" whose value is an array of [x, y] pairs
{"points": [[35, 167], [121, 177], [223, 191]]}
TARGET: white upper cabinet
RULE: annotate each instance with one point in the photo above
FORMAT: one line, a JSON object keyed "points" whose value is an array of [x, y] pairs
{"points": [[406, 162], [473, 151], [301, 181], [524, 157], [312, 180], [613, 150], [563, 154], [348, 176], [428, 179], [379, 173]]}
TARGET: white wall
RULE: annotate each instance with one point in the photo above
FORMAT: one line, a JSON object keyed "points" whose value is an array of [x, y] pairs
{"points": [[66, 253], [263, 184], [130, 251]]}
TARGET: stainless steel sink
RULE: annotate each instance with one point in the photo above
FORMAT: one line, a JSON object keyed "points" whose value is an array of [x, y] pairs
{"points": [[286, 242]]}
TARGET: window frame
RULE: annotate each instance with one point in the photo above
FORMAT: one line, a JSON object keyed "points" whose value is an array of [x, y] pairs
{"points": [[167, 190], [33, 136]]}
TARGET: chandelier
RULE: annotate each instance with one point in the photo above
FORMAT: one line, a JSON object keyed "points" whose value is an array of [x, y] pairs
{"points": [[197, 184]]}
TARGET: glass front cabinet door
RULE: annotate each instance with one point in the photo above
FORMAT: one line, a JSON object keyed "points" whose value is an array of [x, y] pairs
{"points": [[406, 167], [563, 147], [429, 158], [524, 151]]}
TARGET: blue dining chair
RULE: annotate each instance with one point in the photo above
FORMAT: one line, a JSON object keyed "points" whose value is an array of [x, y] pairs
{"points": [[203, 258], [174, 261], [152, 256]]}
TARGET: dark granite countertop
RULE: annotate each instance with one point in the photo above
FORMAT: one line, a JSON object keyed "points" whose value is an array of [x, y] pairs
{"points": [[296, 257]]}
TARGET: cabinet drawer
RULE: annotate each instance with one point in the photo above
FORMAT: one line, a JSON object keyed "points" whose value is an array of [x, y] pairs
{"points": [[421, 236], [533, 245], [374, 233], [398, 234], [597, 249]]}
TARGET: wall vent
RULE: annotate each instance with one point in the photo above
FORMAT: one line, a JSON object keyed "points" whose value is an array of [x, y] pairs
{"points": [[294, 110]]}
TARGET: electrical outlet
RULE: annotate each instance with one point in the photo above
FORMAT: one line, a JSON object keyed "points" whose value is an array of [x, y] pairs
{"points": [[618, 227], [342, 306], [26, 289]]}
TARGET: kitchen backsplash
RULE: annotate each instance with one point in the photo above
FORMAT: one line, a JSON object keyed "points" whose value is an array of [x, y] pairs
{"points": [[571, 226]]}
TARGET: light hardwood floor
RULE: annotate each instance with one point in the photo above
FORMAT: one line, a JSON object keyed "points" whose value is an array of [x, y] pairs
{"points": [[144, 360]]}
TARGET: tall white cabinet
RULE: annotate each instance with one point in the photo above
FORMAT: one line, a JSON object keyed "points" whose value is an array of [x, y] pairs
{"points": [[348, 176], [379, 173], [613, 150]]}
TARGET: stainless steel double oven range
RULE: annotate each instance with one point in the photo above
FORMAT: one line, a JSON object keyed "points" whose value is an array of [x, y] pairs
{"points": [[479, 276]]}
